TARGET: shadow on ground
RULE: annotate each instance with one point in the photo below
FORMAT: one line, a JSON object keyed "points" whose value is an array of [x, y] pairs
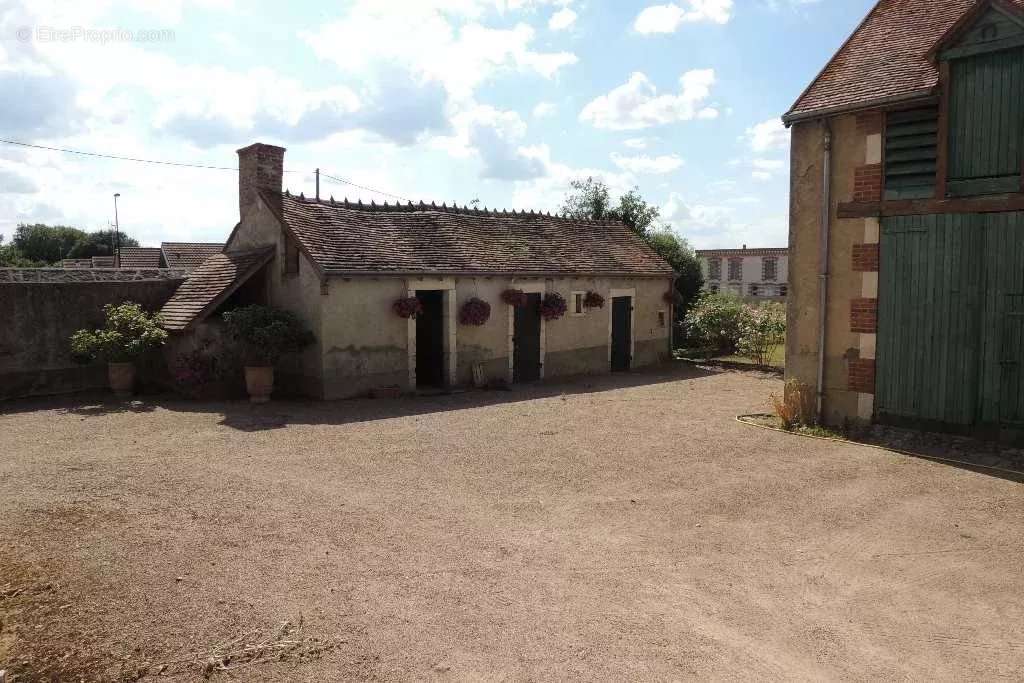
{"points": [[279, 413]]}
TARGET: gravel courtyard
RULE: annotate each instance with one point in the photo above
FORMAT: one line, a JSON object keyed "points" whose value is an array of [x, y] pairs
{"points": [[609, 528]]}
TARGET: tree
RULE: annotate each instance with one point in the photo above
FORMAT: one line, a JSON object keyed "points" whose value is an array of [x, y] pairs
{"points": [[45, 243], [591, 199], [99, 243]]}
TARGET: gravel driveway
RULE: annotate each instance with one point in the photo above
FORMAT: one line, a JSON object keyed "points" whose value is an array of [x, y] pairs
{"points": [[614, 528]]}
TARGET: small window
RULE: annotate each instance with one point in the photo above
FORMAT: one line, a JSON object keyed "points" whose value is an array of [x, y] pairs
{"points": [[715, 269], [735, 269], [713, 287], [755, 290], [577, 303], [769, 268], [783, 291], [291, 256], [661, 318]]}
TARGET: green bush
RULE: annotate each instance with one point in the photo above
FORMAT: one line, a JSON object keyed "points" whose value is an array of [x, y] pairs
{"points": [[714, 323], [264, 334], [762, 329], [128, 333]]}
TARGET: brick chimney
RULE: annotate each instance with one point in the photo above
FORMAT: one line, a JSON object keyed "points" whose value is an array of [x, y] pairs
{"points": [[260, 167]]}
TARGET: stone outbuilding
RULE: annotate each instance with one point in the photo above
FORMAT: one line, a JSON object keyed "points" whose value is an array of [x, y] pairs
{"points": [[342, 267]]}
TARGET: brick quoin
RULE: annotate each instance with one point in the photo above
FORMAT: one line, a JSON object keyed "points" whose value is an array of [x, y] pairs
{"points": [[865, 258], [869, 123], [861, 375], [867, 183], [864, 316]]}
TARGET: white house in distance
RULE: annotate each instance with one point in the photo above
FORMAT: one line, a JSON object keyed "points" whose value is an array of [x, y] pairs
{"points": [[747, 273]]}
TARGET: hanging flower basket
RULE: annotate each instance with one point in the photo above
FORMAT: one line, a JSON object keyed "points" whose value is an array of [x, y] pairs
{"points": [[514, 297], [475, 312], [553, 306], [407, 307], [593, 300]]}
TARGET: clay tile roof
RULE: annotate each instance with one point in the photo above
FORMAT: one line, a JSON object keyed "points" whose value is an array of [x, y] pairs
{"points": [[886, 58], [765, 251], [210, 284], [73, 275], [140, 257], [188, 255], [343, 237]]}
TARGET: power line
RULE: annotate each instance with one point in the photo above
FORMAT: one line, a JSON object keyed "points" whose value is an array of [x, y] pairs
{"points": [[187, 165], [363, 187], [119, 158]]}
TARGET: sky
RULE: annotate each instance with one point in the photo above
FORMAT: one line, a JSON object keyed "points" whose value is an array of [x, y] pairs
{"points": [[505, 101]]}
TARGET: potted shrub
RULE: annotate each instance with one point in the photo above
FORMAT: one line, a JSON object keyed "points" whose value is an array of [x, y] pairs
{"points": [[127, 333], [263, 335]]}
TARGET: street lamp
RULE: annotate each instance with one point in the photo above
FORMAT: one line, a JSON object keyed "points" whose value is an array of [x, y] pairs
{"points": [[117, 235]]}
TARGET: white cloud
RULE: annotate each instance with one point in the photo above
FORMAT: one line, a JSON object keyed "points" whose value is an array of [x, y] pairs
{"points": [[767, 136], [635, 143], [712, 225], [668, 18], [637, 104], [543, 110], [647, 165], [562, 19], [423, 38]]}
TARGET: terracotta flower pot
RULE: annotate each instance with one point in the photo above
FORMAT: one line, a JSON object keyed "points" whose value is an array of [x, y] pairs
{"points": [[259, 381], [122, 378]]}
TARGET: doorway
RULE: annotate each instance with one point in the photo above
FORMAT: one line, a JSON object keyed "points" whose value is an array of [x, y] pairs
{"points": [[526, 362], [622, 333], [430, 339]]}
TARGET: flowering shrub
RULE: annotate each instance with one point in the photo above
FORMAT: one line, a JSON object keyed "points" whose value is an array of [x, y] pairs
{"points": [[762, 329], [128, 333], [714, 324], [407, 307], [475, 312], [553, 306], [593, 300], [263, 334], [514, 297], [194, 371]]}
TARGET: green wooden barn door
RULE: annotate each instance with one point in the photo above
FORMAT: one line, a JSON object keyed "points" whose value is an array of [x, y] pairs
{"points": [[986, 123], [929, 313], [1002, 389]]}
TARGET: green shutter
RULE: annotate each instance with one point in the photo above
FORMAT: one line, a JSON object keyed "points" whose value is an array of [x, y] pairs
{"points": [[911, 141], [986, 123]]}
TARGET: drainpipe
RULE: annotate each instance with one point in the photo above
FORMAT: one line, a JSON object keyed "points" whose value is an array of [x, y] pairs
{"points": [[823, 273]]}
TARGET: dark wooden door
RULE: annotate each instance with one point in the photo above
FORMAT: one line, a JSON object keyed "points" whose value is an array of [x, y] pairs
{"points": [[526, 341], [622, 332], [430, 339]]}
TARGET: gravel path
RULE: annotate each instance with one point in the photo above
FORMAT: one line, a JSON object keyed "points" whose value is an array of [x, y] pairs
{"points": [[613, 528]]}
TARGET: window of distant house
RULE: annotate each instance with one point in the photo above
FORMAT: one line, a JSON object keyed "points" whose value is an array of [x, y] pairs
{"points": [[783, 290], [577, 303], [661, 318], [714, 287], [755, 290], [715, 269], [291, 256], [769, 268], [735, 269]]}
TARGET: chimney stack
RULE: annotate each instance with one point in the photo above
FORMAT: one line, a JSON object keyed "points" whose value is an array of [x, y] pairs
{"points": [[260, 167]]}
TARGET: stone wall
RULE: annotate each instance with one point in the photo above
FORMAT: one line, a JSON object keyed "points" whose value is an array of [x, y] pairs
{"points": [[42, 309]]}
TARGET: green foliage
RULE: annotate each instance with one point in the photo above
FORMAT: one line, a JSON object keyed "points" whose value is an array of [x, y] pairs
{"points": [[99, 243], [762, 329], [45, 243], [264, 334], [128, 332], [715, 322], [591, 199], [10, 257]]}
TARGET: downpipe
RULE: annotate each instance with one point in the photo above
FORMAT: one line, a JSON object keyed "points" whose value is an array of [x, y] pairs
{"points": [[823, 270]]}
